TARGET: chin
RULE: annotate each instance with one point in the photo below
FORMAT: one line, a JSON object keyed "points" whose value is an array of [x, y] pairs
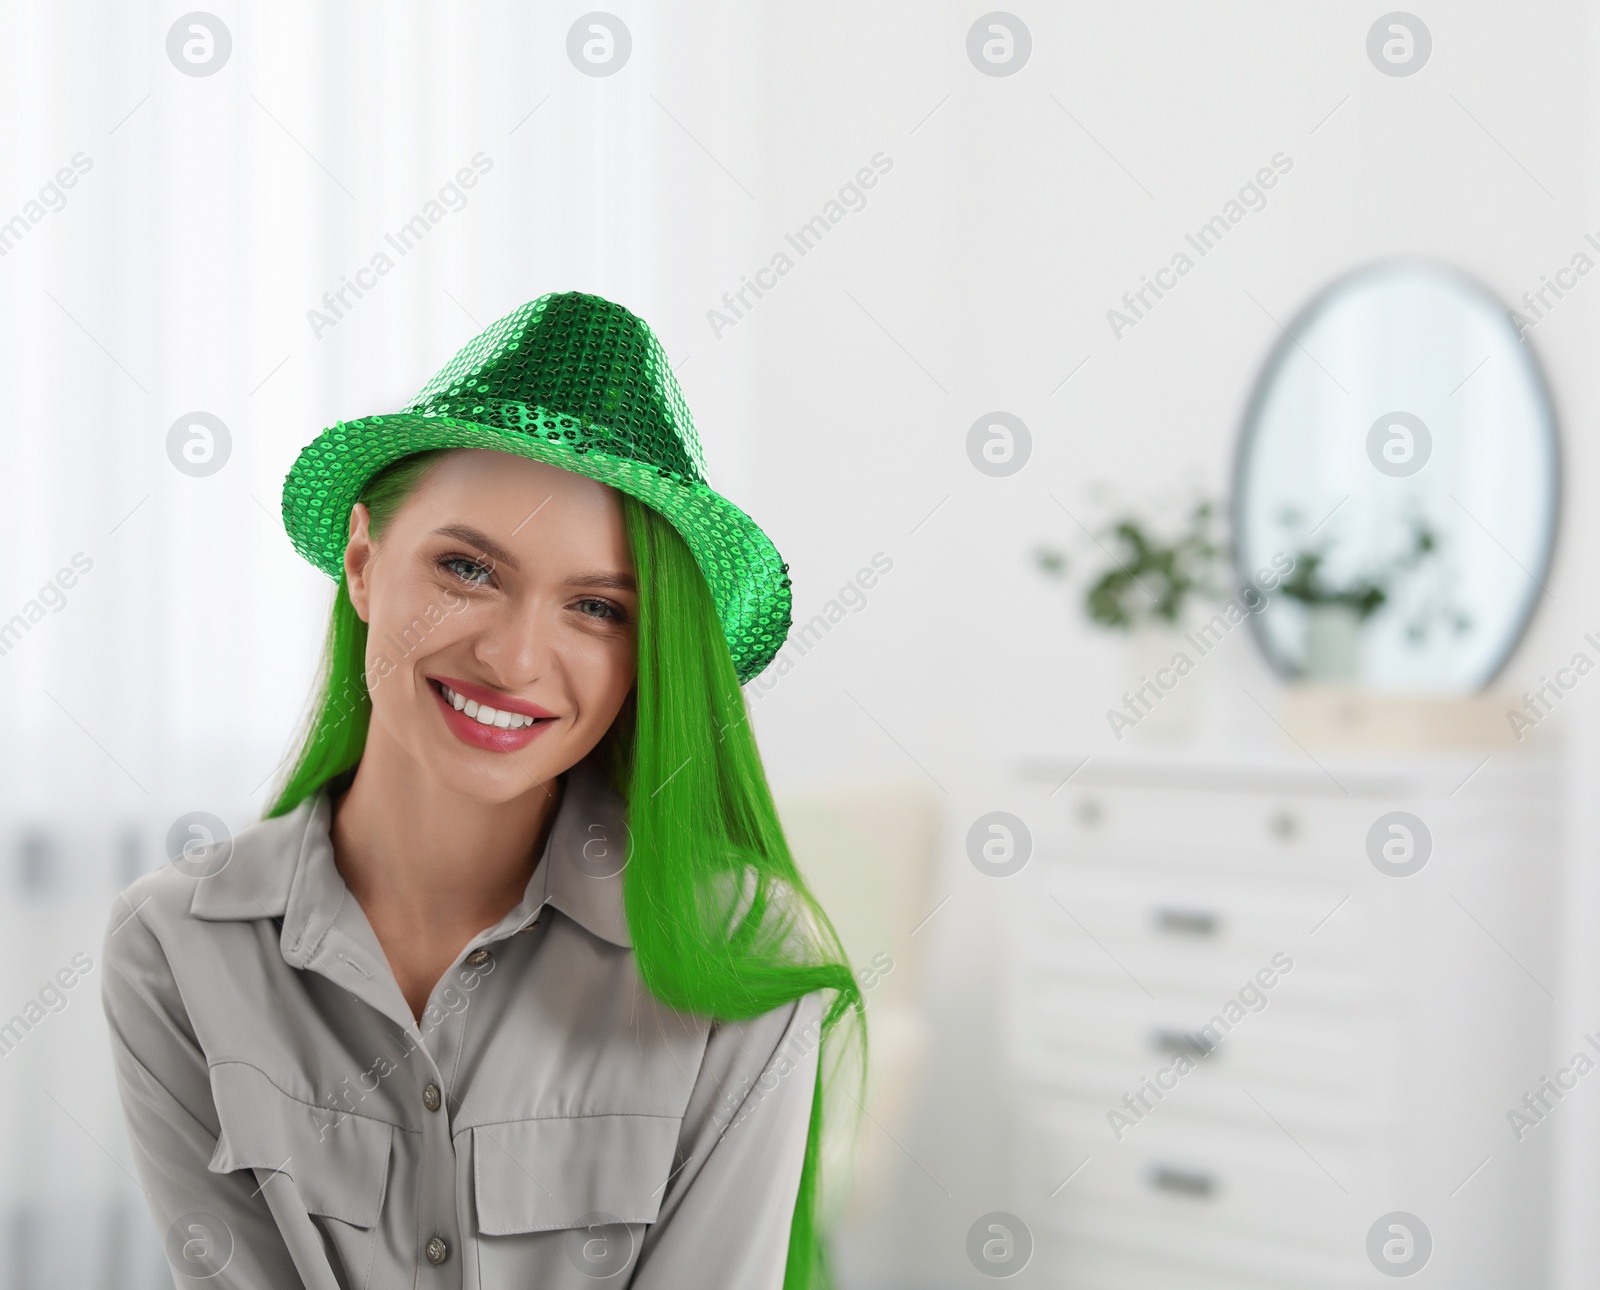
{"points": [[492, 778], [462, 778]]}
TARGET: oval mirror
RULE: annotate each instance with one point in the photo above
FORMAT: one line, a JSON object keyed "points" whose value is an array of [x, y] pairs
{"points": [[1399, 458]]}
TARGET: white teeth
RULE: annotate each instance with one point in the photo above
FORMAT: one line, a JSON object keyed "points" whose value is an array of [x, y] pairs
{"points": [[483, 714]]}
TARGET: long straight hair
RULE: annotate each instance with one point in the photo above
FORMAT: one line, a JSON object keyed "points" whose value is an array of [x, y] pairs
{"points": [[722, 922]]}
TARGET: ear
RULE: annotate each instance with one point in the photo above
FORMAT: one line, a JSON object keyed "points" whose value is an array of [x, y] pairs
{"points": [[358, 553]]}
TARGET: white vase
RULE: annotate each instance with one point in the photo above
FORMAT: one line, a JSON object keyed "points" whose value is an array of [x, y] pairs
{"points": [[1333, 643], [1165, 691]]}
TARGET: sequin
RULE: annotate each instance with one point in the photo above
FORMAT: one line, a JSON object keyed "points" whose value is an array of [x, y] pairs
{"points": [[582, 383]]}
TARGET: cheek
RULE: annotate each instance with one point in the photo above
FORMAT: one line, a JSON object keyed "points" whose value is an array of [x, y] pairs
{"points": [[408, 623], [602, 672], [383, 671]]}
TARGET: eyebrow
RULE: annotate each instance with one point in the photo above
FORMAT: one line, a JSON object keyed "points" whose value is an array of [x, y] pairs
{"points": [[472, 537], [611, 581]]}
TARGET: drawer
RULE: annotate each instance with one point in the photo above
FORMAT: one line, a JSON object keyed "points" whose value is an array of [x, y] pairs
{"points": [[1164, 1251], [1202, 1096], [1073, 964], [1281, 827], [1222, 1198], [1279, 836], [1205, 853], [1223, 912], [1075, 1265], [1338, 1053]]}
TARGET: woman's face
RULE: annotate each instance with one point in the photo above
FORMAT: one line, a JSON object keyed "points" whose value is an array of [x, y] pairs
{"points": [[500, 605]]}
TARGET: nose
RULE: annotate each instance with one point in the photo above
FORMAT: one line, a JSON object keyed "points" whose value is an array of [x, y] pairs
{"points": [[518, 648]]}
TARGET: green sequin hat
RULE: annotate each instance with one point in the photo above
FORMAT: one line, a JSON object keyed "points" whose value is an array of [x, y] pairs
{"points": [[582, 383]]}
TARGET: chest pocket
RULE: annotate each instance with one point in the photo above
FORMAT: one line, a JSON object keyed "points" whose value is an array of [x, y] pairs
{"points": [[339, 1164], [539, 1175]]}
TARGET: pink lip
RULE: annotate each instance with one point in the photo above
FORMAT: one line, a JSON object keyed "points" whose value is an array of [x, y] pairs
{"points": [[492, 738], [500, 702]]}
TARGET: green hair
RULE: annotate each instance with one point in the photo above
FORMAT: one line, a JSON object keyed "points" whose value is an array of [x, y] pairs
{"points": [[722, 922]]}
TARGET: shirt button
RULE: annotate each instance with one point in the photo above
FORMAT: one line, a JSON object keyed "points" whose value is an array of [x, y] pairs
{"points": [[430, 1097], [477, 958], [436, 1250]]}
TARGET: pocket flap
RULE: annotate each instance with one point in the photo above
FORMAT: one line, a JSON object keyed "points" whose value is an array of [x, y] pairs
{"points": [[339, 1163], [534, 1175]]}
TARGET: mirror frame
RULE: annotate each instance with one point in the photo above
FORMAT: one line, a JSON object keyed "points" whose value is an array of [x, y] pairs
{"points": [[1250, 426]]}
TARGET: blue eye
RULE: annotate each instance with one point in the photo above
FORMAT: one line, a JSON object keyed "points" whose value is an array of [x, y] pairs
{"points": [[609, 610], [457, 563]]}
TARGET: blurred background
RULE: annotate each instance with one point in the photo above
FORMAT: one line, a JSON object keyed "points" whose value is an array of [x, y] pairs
{"points": [[1178, 422]]}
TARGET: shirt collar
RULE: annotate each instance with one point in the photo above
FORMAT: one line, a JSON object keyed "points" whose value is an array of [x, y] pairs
{"points": [[283, 868]]}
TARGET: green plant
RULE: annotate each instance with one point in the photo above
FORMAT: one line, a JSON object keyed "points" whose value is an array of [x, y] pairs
{"points": [[1365, 595], [1151, 578], [1369, 592]]}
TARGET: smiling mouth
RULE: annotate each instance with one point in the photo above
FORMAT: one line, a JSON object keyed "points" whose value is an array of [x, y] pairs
{"points": [[483, 714]]}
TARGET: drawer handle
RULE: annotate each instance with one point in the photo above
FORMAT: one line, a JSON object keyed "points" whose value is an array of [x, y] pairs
{"points": [[1182, 1182], [1191, 1043], [1187, 922]]}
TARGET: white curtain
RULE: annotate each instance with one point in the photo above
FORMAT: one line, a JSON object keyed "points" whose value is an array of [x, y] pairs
{"points": [[166, 239]]}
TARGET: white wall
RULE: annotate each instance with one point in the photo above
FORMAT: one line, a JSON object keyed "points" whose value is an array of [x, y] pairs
{"points": [[991, 253]]}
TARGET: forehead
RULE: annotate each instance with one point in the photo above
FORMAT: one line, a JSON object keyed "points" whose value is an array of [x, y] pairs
{"points": [[506, 472], [527, 506]]}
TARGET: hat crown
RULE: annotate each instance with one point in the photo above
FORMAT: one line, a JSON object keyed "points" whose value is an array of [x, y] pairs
{"points": [[576, 368]]}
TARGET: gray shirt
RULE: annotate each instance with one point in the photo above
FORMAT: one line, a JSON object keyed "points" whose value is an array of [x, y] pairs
{"points": [[547, 1123]]}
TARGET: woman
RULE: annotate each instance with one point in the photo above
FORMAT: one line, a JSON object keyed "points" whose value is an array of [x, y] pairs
{"points": [[517, 983]]}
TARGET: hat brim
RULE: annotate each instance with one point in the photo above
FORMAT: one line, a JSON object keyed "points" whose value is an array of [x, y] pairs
{"points": [[748, 579]]}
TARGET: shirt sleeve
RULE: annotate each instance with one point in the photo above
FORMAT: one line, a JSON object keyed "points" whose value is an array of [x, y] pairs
{"points": [[725, 1218], [164, 1084]]}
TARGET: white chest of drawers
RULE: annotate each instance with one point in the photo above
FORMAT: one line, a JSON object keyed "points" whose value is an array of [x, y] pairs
{"points": [[1243, 1041]]}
